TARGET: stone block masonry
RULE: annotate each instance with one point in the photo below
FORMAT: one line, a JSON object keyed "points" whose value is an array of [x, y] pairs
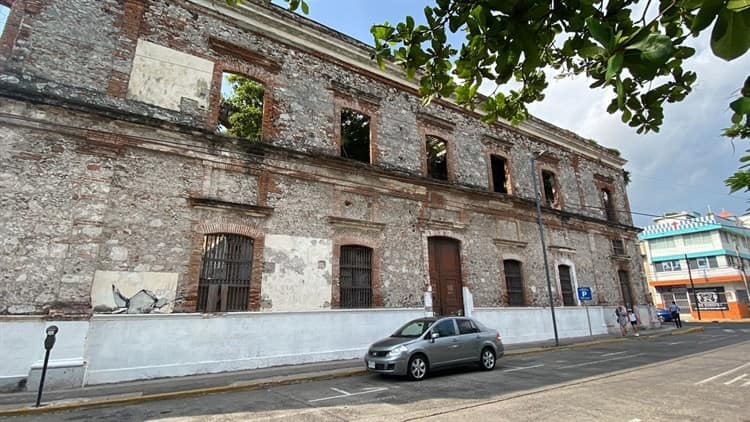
{"points": [[109, 163]]}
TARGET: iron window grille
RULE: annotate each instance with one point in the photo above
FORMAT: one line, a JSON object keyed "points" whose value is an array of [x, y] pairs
{"points": [[355, 277], [224, 283], [514, 283]]}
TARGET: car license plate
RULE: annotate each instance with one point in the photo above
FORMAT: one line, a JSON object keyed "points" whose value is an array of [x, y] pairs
{"points": [[371, 364]]}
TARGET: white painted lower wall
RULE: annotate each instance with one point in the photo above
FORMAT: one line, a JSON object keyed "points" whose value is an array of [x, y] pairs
{"points": [[125, 347], [522, 325]]}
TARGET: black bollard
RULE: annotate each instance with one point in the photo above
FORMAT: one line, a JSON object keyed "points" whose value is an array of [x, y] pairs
{"points": [[49, 342]]}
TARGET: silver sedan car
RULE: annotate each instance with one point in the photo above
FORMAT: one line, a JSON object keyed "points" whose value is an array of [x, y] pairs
{"points": [[427, 343]]}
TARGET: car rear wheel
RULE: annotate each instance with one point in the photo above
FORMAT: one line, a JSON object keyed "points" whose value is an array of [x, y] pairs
{"points": [[487, 360], [417, 369]]}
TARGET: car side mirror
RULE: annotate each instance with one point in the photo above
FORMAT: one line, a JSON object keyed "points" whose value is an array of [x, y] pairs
{"points": [[433, 336]]}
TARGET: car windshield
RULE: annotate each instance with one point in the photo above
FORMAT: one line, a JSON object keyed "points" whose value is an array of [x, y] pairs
{"points": [[414, 328]]}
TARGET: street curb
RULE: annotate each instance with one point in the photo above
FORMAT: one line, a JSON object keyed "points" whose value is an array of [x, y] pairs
{"points": [[679, 332], [249, 385], [283, 380]]}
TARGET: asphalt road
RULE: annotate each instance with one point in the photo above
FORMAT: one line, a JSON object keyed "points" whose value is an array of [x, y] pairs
{"points": [[700, 376]]}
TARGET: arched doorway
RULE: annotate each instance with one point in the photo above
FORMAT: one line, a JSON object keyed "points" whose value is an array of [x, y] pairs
{"points": [[445, 275]]}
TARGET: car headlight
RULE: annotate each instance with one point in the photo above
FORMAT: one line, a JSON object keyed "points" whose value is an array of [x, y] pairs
{"points": [[397, 351]]}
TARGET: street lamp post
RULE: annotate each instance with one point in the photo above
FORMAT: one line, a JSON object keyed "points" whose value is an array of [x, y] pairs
{"points": [[537, 199]]}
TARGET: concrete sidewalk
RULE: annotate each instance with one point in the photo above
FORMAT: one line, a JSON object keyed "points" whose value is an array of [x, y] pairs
{"points": [[22, 403]]}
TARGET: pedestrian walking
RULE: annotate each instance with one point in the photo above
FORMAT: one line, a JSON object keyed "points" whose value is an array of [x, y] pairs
{"points": [[633, 322], [621, 316], [675, 311]]}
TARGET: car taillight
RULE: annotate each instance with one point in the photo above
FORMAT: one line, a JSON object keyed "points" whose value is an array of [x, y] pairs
{"points": [[497, 336]]}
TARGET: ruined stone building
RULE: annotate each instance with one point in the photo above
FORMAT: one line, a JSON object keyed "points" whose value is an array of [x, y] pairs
{"points": [[128, 220]]}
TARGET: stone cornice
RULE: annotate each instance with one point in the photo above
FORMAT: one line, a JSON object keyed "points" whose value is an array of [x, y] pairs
{"points": [[510, 243], [247, 209], [350, 223]]}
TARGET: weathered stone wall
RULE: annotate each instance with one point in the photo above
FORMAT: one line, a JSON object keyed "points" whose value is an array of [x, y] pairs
{"points": [[92, 190]]}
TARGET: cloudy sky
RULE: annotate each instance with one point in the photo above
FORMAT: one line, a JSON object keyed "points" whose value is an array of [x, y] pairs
{"points": [[680, 168]]}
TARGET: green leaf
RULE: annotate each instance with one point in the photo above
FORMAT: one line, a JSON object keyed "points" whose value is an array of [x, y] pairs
{"points": [[706, 15], [738, 5], [731, 35], [614, 65], [591, 51], [656, 49], [600, 31], [305, 8], [741, 105]]}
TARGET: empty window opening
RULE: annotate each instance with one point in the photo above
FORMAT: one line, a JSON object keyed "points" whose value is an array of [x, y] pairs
{"points": [[241, 107], [355, 135], [226, 266], [608, 205], [355, 277], [499, 174], [437, 154], [514, 283], [625, 288], [4, 14], [566, 285], [550, 188], [618, 247]]}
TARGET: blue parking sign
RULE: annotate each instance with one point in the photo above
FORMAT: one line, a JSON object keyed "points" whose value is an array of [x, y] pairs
{"points": [[584, 293]]}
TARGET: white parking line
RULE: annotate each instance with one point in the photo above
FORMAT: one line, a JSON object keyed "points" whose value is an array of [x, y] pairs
{"points": [[728, 330], [735, 379], [521, 368], [675, 342], [347, 394], [615, 353], [600, 361], [722, 374]]}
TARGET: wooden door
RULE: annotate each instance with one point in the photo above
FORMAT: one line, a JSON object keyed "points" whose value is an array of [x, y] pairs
{"points": [[445, 276]]}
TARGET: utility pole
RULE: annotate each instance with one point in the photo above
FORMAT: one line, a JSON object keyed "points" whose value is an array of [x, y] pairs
{"points": [[692, 286], [537, 199]]}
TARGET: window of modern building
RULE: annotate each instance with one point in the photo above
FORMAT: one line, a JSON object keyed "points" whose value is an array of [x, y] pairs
{"points": [[549, 186], [703, 239], [566, 285], [355, 135], [608, 204], [437, 158], [355, 277], [499, 174], [705, 262], [618, 247], [668, 266], [514, 283], [661, 244], [226, 266], [241, 106]]}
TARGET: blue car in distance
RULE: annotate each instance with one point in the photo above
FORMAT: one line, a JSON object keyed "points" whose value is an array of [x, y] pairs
{"points": [[664, 315]]}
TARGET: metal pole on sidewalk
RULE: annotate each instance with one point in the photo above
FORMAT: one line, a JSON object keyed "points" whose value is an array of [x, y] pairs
{"points": [[692, 286], [544, 245], [49, 342]]}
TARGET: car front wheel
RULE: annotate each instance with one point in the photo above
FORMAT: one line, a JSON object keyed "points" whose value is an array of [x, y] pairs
{"points": [[417, 369], [487, 361]]}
